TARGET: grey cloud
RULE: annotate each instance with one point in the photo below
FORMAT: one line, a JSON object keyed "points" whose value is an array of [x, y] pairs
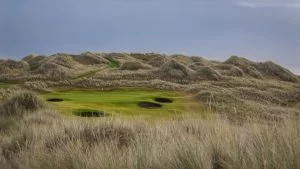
{"points": [[268, 3]]}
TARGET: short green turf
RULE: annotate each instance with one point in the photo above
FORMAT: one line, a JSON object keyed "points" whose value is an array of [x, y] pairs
{"points": [[5, 85], [123, 102]]}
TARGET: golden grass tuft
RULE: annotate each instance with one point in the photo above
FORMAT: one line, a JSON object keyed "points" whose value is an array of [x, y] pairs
{"points": [[21, 103]]}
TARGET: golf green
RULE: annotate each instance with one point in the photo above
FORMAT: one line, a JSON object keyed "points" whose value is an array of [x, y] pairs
{"points": [[5, 85], [128, 102]]}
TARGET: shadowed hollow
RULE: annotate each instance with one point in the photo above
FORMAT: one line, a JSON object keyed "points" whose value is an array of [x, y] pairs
{"points": [[55, 100], [163, 100], [90, 114]]}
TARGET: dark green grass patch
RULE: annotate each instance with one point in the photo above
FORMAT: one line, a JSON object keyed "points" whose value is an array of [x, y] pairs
{"points": [[113, 63], [5, 85], [89, 113]]}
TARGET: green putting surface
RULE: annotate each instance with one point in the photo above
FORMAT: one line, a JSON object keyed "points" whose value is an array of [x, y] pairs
{"points": [[123, 102], [5, 85]]}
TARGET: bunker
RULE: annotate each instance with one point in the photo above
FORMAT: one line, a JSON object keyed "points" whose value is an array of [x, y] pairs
{"points": [[55, 100], [163, 100], [91, 114]]}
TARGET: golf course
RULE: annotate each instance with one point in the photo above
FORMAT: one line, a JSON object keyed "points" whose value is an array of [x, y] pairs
{"points": [[123, 102], [147, 111]]}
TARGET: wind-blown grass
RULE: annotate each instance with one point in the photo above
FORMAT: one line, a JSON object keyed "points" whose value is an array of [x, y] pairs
{"points": [[44, 140], [20, 104]]}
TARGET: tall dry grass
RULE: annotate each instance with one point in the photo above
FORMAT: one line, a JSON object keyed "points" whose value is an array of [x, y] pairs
{"points": [[42, 139], [20, 103], [46, 140]]}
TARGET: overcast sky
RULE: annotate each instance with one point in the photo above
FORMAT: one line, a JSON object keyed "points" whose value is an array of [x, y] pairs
{"points": [[215, 29]]}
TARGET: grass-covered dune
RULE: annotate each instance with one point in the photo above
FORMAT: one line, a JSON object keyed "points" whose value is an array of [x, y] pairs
{"points": [[68, 66], [237, 88], [33, 136]]}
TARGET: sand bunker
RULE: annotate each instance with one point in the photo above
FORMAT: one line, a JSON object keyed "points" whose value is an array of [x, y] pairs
{"points": [[55, 100], [163, 100], [91, 114]]}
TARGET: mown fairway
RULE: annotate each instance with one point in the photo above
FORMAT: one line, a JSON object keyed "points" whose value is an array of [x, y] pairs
{"points": [[5, 85], [123, 102]]}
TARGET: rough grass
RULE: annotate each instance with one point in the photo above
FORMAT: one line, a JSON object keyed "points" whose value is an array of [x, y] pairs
{"points": [[207, 73], [229, 70], [251, 99], [239, 61], [44, 140], [146, 57], [21, 103], [133, 65], [67, 66], [157, 61], [113, 63], [35, 61], [11, 66], [54, 71], [262, 70], [173, 70], [274, 70], [247, 66], [89, 58]]}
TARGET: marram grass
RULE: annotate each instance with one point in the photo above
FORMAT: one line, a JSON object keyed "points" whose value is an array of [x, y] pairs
{"points": [[45, 140]]}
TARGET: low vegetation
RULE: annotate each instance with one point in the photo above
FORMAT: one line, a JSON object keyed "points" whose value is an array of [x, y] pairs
{"points": [[133, 65], [20, 104], [260, 70], [113, 63], [173, 70]]}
